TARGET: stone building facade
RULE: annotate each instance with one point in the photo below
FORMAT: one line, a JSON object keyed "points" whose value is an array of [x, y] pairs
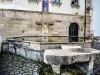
{"points": [[54, 18]]}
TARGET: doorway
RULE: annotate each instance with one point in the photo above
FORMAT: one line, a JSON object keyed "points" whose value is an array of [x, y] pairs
{"points": [[73, 32]]}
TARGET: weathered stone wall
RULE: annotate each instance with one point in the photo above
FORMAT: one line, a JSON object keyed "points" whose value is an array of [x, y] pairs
{"points": [[22, 50], [58, 45], [24, 23]]}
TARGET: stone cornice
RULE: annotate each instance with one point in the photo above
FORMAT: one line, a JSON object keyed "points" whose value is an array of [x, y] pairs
{"points": [[41, 12]]}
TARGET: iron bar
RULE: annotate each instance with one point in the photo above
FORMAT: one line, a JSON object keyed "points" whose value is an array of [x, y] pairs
{"points": [[85, 22]]}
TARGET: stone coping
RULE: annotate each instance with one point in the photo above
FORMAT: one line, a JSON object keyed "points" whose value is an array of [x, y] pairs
{"points": [[63, 42], [41, 12], [55, 42], [64, 52]]}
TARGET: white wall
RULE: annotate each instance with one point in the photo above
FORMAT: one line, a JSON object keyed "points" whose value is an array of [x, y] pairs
{"points": [[66, 7], [21, 5]]}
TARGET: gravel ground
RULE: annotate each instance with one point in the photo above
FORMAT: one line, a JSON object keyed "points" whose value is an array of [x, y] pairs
{"points": [[96, 45], [12, 65]]}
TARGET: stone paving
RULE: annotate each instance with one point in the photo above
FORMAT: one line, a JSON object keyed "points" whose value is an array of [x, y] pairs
{"points": [[97, 61], [96, 45], [12, 65]]}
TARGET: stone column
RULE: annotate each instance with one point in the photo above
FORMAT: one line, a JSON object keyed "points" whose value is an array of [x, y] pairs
{"points": [[45, 32], [56, 68], [90, 68], [91, 64]]}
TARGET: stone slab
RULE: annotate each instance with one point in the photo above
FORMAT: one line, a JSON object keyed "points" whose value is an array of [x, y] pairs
{"points": [[66, 57]]}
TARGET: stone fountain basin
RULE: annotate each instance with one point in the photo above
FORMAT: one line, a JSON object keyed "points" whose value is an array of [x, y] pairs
{"points": [[69, 55]]}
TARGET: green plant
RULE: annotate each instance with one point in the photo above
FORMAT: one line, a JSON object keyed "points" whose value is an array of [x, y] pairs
{"points": [[39, 40], [95, 38], [45, 69], [81, 17], [50, 39]]}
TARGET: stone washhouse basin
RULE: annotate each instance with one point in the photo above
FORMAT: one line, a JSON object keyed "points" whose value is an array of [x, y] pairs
{"points": [[69, 55]]}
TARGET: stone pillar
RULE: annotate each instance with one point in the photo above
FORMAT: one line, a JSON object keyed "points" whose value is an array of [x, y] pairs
{"points": [[90, 67], [56, 68], [45, 32]]}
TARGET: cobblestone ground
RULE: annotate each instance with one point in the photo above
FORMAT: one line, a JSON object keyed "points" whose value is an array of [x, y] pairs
{"points": [[97, 61], [96, 45], [11, 64]]}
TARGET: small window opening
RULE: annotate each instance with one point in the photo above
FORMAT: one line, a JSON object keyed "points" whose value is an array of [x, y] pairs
{"points": [[74, 2]]}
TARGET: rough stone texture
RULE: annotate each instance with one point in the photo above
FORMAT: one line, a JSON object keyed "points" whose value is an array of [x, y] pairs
{"points": [[27, 50], [23, 23], [11, 64], [56, 68], [16, 65], [97, 62], [69, 56], [58, 45], [96, 45]]}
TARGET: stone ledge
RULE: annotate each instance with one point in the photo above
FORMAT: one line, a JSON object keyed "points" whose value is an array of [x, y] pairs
{"points": [[65, 57], [40, 12]]}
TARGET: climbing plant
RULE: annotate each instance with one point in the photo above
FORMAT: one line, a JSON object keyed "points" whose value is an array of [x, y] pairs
{"points": [[45, 69]]}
